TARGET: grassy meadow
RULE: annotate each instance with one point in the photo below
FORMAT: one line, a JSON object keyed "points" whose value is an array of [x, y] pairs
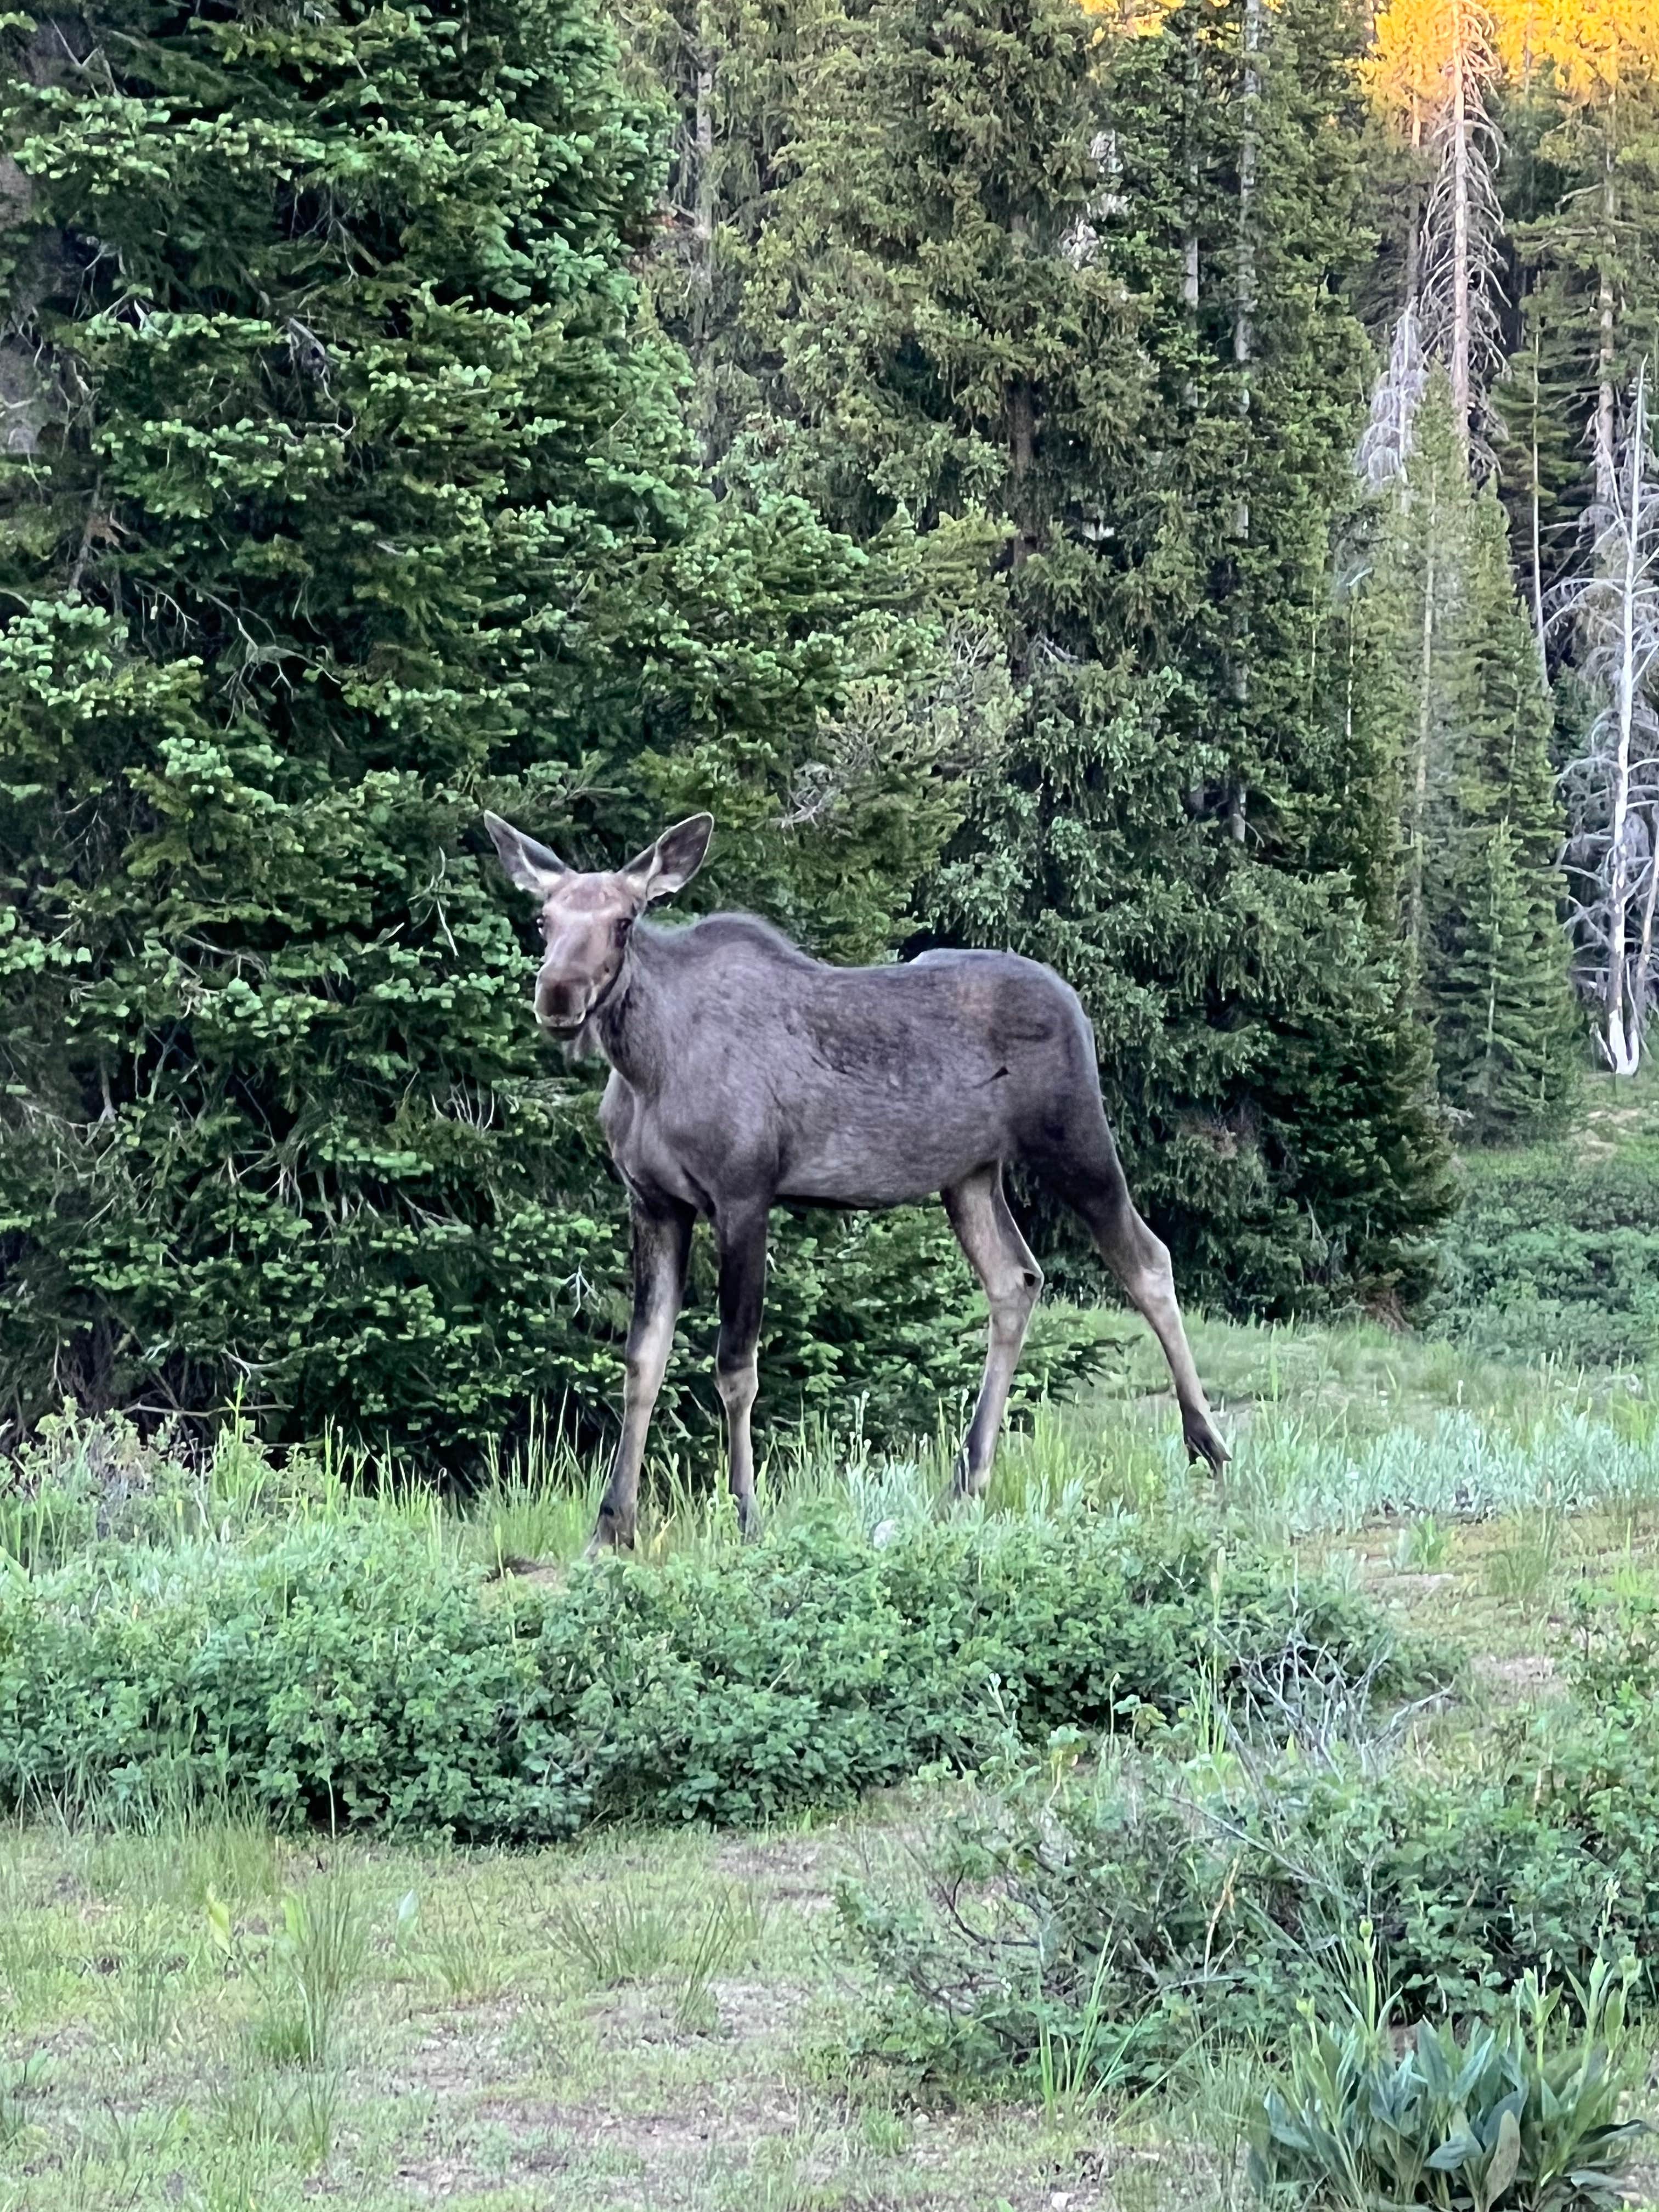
{"points": [[200, 2008]]}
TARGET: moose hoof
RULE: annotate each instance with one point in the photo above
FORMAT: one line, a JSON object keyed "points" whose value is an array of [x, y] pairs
{"points": [[966, 1482], [1203, 1444], [609, 1534]]}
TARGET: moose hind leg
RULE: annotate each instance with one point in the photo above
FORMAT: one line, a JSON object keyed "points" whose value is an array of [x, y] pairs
{"points": [[742, 1240], [1011, 1281], [662, 1246], [1140, 1261]]}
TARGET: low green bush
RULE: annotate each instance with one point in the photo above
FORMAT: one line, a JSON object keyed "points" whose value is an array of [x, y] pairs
{"points": [[1201, 1900], [1612, 1652], [355, 1672]]}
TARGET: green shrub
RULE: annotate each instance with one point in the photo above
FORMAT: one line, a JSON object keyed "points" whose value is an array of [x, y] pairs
{"points": [[1615, 1649], [354, 1671], [1203, 1901], [1556, 1255], [1514, 2114]]}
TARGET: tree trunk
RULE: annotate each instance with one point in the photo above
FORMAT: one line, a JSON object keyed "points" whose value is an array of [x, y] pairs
{"points": [[1414, 223], [1536, 489], [1190, 284], [1424, 727], [1022, 445], [1606, 467], [1463, 272], [1622, 1043], [1244, 301], [1243, 355], [704, 197]]}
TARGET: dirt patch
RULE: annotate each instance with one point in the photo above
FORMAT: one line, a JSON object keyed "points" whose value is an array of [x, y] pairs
{"points": [[1524, 1676], [435, 2181], [790, 1870], [665, 2151], [755, 2012], [745, 2012], [466, 2052]]}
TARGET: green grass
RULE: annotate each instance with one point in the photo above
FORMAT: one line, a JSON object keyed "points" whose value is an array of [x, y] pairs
{"points": [[681, 2070], [1331, 1428]]}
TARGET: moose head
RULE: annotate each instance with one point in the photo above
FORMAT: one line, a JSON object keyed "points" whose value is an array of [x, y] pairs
{"points": [[586, 919]]}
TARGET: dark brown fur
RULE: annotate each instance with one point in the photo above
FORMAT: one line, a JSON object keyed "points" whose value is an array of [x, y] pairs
{"points": [[744, 1073]]}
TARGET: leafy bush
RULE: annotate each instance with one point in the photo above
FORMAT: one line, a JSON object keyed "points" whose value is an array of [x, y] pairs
{"points": [[353, 1671], [1614, 1652], [1513, 2114], [1203, 1901]]}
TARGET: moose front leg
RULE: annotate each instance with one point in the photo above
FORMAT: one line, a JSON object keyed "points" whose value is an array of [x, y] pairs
{"points": [[662, 1246], [742, 1238]]}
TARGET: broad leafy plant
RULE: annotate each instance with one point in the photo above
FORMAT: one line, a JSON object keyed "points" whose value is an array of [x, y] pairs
{"points": [[1513, 2114]]}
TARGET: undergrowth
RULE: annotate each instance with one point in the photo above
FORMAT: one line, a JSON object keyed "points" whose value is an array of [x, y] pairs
{"points": [[1205, 1885], [360, 1673]]}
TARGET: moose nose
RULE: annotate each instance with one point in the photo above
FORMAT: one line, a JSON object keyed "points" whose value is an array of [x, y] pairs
{"points": [[561, 1001]]}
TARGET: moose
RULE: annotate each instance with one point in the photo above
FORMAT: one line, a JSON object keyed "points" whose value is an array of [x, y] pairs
{"points": [[744, 1073]]}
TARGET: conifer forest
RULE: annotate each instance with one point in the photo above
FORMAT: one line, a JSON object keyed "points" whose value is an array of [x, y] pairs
{"points": [[1170, 488]]}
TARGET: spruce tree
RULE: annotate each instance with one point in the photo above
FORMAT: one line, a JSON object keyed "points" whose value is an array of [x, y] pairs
{"points": [[1584, 208], [728, 72], [1482, 823], [344, 493], [1508, 1042]]}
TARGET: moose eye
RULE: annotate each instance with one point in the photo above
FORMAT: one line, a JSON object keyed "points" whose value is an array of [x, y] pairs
{"points": [[623, 928]]}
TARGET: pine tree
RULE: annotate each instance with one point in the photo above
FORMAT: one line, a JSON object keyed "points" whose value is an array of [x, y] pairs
{"points": [[1594, 251], [1093, 327], [729, 72], [1482, 826], [1508, 1042], [1538, 463]]}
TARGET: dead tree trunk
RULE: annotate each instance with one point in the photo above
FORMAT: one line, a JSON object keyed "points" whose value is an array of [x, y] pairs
{"points": [[704, 193], [1613, 790], [1463, 284], [1606, 465]]}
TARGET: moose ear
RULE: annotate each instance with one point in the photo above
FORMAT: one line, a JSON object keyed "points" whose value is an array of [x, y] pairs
{"points": [[669, 865], [532, 866]]}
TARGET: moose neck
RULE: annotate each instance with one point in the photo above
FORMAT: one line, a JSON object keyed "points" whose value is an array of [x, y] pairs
{"points": [[627, 1025]]}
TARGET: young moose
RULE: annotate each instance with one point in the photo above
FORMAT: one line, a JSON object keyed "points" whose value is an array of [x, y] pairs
{"points": [[742, 1073]]}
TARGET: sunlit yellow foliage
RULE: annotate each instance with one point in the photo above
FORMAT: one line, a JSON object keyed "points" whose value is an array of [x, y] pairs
{"points": [[1135, 19], [1592, 45], [1415, 45]]}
